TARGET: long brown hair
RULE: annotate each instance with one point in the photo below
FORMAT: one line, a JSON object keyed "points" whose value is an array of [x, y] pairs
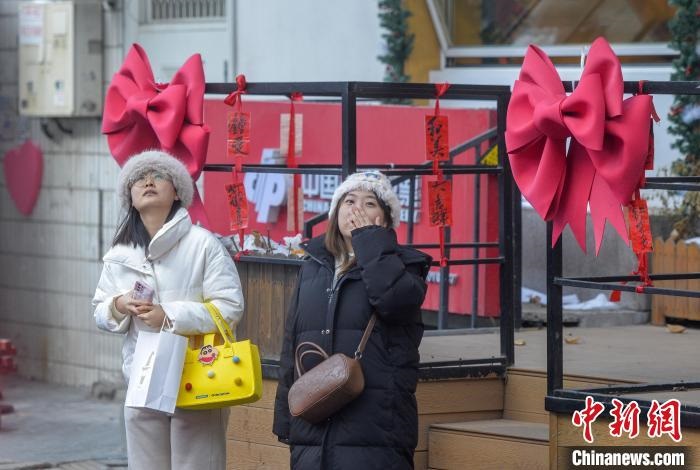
{"points": [[335, 243], [131, 230]]}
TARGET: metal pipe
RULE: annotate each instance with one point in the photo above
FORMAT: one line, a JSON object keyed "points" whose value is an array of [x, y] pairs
{"points": [[411, 208], [555, 348], [475, 251]]}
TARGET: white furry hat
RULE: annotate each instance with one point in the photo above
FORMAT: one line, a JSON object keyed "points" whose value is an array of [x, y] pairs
{"points": [[154, 160], [373, 181]]}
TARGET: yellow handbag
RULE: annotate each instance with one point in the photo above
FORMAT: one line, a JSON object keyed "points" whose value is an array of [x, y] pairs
{"points": [[219, 371]]}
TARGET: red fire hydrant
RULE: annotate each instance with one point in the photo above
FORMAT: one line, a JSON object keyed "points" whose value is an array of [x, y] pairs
{"points": [[7, 365]]}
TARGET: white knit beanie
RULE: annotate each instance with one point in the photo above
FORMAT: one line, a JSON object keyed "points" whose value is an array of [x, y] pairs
{"points": [[373, 181], [154, 160]]}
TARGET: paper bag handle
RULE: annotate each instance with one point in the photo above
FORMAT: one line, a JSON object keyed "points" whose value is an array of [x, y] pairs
{"points": [[220, 323]]}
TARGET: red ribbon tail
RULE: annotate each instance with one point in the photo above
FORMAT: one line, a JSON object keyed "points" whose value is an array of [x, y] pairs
{"points": [[197, 211], [440, 89], [292, 162], [236, 96], [443, 257]]}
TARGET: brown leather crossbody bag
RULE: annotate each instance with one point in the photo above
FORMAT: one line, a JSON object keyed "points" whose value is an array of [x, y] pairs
{"points": [[332, 384]]}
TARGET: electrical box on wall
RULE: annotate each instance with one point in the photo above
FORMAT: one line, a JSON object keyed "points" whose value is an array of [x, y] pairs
{"points": [[60, 58]]}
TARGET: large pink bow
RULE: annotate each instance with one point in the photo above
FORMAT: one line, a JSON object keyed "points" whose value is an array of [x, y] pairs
{"points": [[141, 114], [607, 151]]}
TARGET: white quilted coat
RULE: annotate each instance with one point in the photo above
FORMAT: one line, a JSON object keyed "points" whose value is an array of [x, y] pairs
{"points": [[186, 266]]}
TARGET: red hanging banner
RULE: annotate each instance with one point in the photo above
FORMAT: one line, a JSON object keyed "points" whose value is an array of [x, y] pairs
{"points": [[237, 147], [640, 230], [640, 236], [437, 150], [440, 203], [639, 227], [436, 147], [238, 137], [641, 240], [295, 201], [238, 206]]}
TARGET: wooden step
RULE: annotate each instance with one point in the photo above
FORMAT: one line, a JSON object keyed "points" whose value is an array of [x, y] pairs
{"points": [[525, 390], [488, 444]]}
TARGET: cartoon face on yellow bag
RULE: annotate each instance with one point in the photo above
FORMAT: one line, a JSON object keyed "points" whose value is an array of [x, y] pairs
{"points": [[208, 354], [219, 371]]}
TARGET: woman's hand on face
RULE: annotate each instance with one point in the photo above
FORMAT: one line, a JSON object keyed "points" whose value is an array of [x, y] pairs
{"points": [[153, 317], [360, 219], [127, 305]]}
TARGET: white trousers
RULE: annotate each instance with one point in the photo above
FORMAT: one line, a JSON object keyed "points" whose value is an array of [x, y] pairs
{"points": [[188, 440]]}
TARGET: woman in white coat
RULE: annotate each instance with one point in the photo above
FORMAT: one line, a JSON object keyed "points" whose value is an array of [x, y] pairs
{"points": [[157, 244]]}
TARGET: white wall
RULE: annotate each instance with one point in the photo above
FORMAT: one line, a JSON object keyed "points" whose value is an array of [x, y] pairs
{"points": [[270, 41], [308, 40], [50, 261], [168, 45]]}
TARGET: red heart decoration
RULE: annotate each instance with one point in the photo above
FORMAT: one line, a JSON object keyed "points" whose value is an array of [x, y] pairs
{"points": [[24, 167]]}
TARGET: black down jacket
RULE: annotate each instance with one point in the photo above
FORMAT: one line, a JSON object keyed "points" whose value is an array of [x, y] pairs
{"points": [[379, 429]]}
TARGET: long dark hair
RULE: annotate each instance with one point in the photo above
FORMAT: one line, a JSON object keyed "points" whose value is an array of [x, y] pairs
{"points": [[131, 230], [334, 239]]}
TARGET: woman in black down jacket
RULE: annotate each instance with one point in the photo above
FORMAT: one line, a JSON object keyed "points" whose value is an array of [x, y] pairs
{"points": [[355, 269]]}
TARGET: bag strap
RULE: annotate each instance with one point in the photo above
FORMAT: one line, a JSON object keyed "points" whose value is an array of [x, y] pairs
{"points": [[317, 350], [365, 337], [220, 323]]}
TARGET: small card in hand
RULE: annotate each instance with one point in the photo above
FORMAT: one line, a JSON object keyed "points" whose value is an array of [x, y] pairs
{"points": [[142, 291]]}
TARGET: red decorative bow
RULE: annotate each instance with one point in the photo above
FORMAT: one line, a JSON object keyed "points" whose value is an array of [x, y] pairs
{"points": [[608, 148], [141, 114], [236, 96]]}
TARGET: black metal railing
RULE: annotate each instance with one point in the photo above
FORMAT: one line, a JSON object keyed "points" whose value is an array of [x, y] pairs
{"points": [[563, 400], [349, 93]]}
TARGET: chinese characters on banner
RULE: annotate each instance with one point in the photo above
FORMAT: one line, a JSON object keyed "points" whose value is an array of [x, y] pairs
{"points": [[237, 147], [436, 147], [238, 206], [439, 191], [440, 203], [661, 419], [238, 135]]}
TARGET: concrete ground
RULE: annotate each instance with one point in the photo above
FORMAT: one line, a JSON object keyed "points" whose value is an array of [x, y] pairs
{"points": [[55, 426], [635, 353]]}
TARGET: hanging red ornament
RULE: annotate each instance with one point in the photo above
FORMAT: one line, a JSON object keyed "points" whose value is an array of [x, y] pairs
{"points": [[295, 198], [440, 190], [237, 147]]}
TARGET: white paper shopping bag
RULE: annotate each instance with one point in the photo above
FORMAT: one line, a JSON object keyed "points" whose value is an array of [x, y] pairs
{"points": [[156, 371]]}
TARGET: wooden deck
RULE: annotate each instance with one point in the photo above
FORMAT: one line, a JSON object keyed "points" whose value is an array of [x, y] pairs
{"points": [[639, 353]]}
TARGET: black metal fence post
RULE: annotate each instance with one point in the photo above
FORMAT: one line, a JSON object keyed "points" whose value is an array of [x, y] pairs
{"points": [[505, 237], [555, 347], [349, 123], [475, 251]]}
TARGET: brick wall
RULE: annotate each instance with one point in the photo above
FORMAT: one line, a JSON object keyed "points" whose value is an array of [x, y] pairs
{"points": [[50, 261]]}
